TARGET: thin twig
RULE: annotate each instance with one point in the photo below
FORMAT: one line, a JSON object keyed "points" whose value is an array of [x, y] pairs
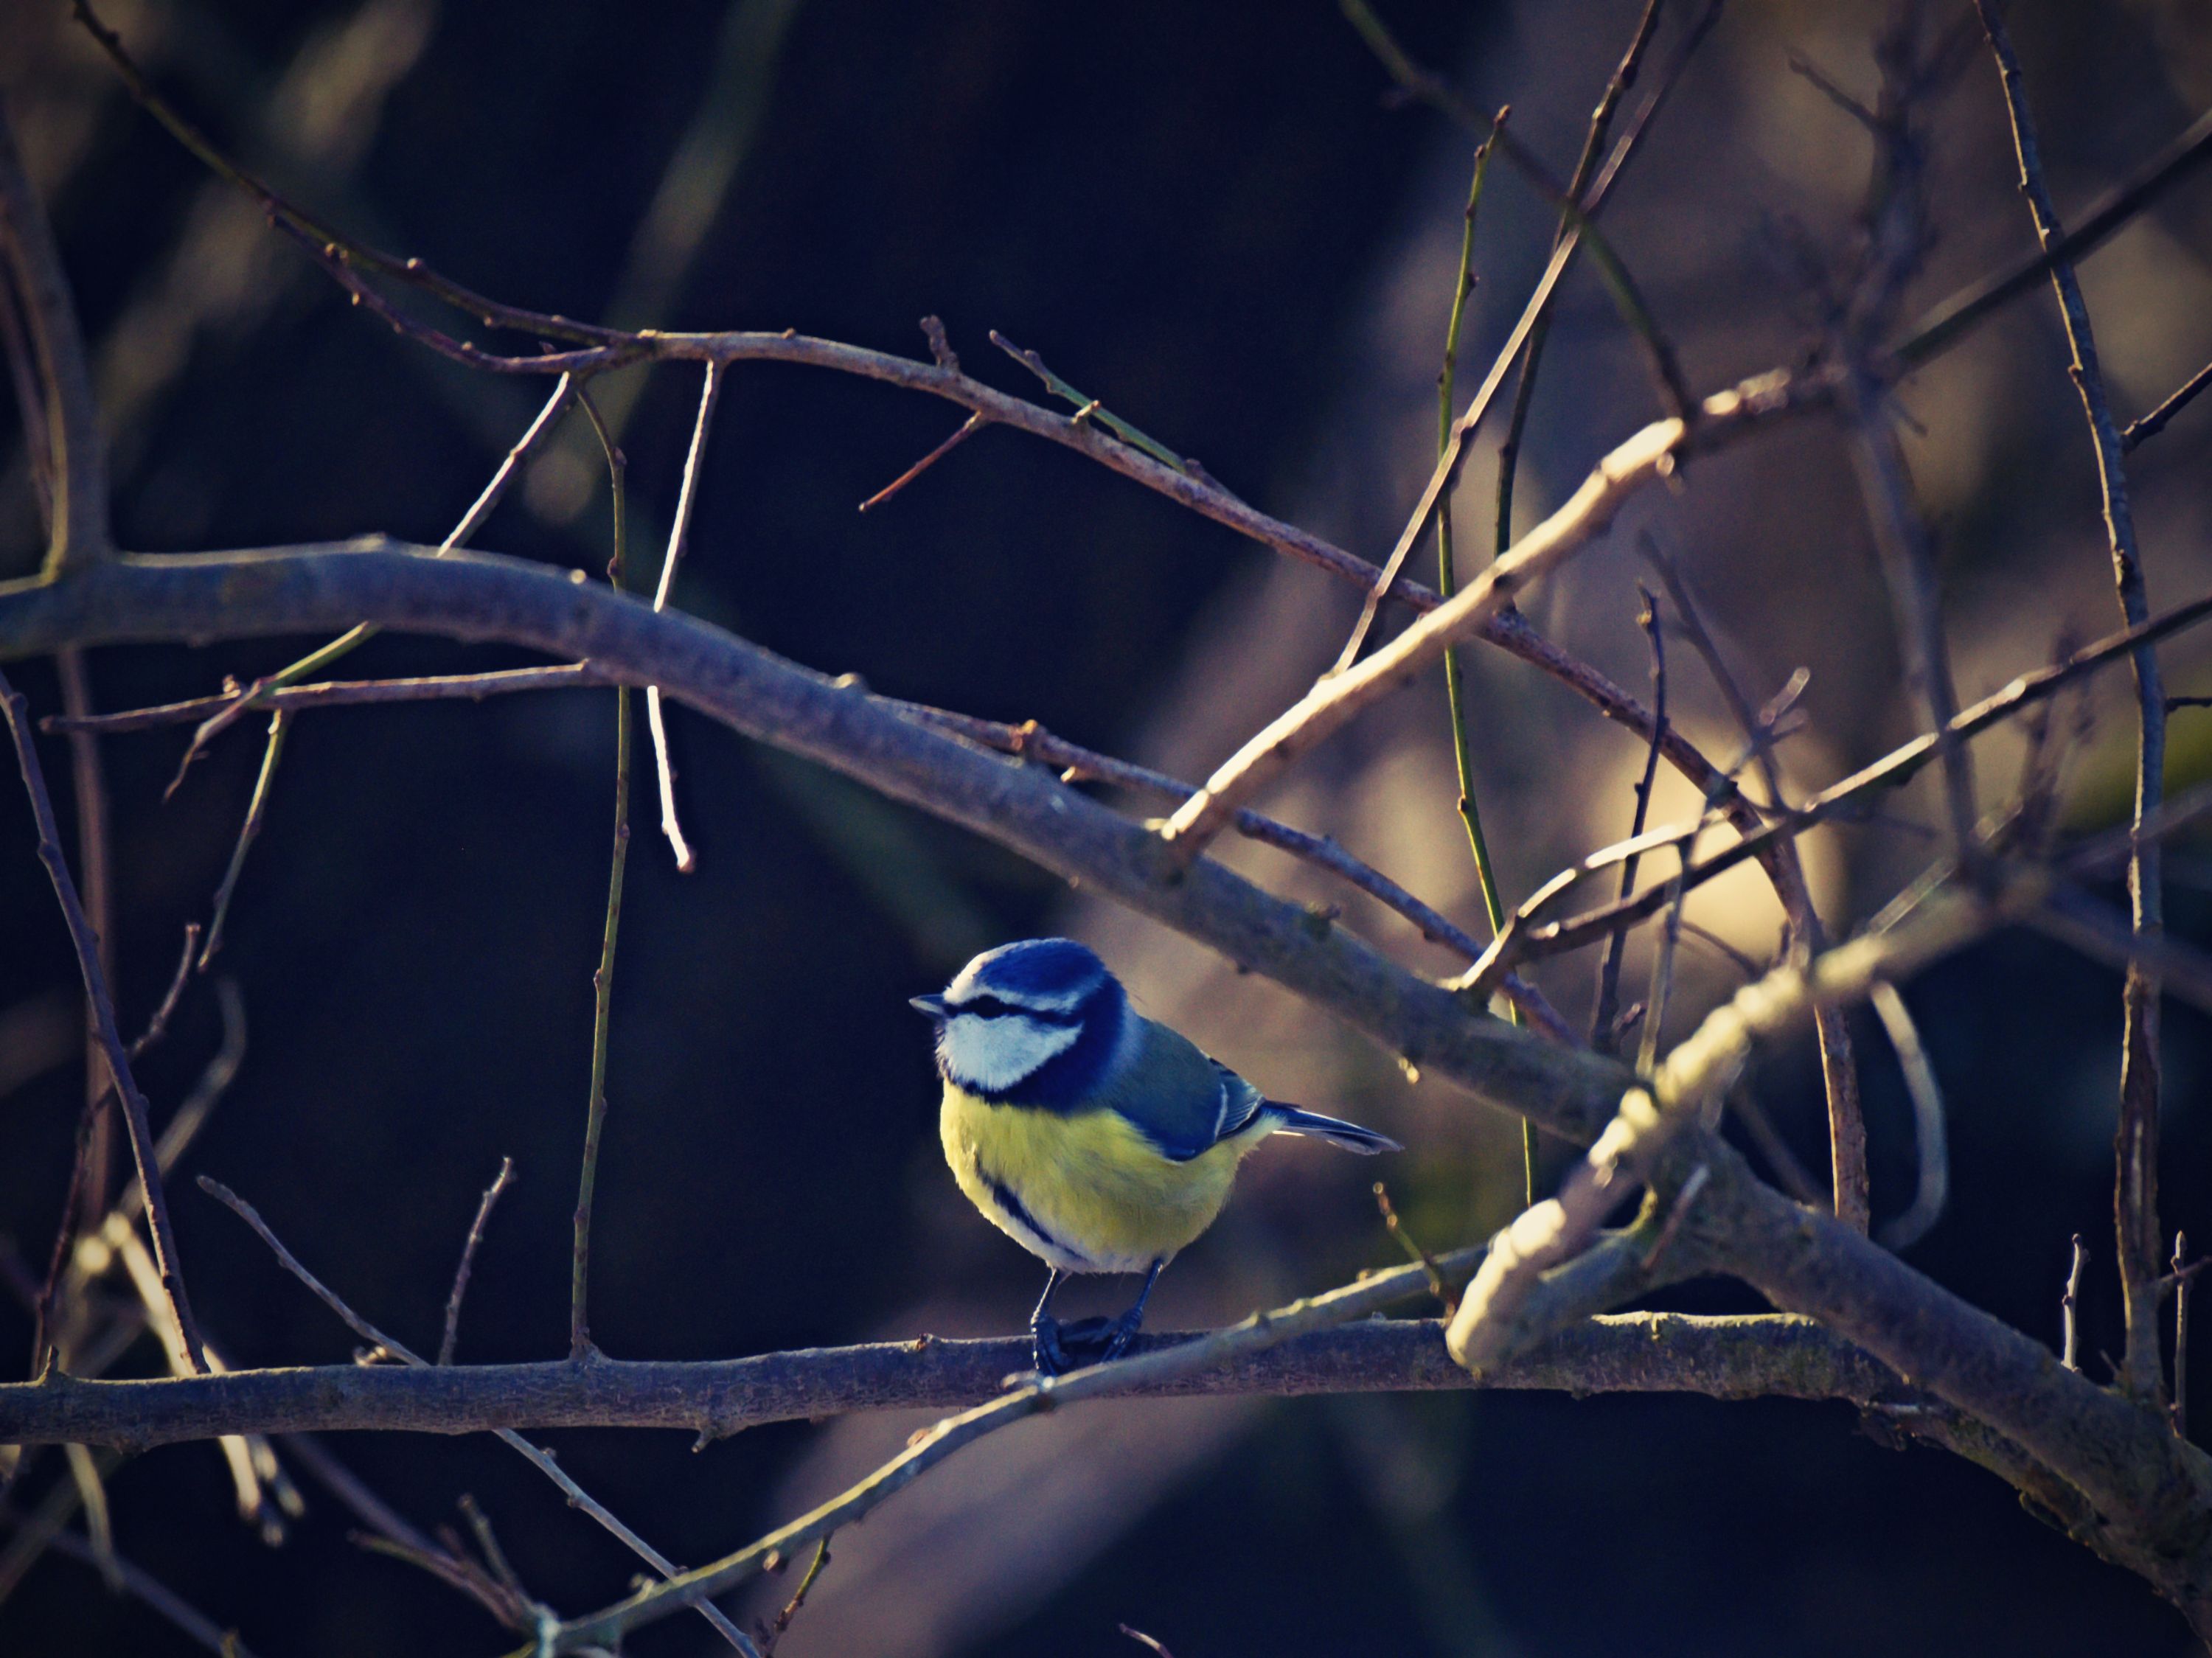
{"points": [[775, 1630], [1934, 1158], [1807, 936], [88, 1193], [1620, 286], [1891, 771], [1532, 355], [292, 219], [679, 532], [1445, 476], [142, 1585], [504, 1601], [1088, 408], [1652, 453], [1470, 815], [1148, 1643], [30, 401], [1418, 1254], [942, 377], [1662, 960], [2181, 1286], [158, 1026], [72, 455], [1789, 1172], [967, 430], [2069, 1335], [256, 810], [111, 1040], [547, 421], [488, 1543], [1950, 322], [603, 976], [342, 693], [99, 1522], [2155, 422], [96, 880], [2135, 1150], [1073, 762], [1608, 979], [541, 1459], [469, 1259]]}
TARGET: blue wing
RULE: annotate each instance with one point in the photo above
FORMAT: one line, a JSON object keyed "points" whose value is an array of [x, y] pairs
{"points": [[1185, 1103]]}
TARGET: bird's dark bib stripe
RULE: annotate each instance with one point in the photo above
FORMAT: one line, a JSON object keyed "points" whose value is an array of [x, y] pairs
{"points": [[1019, 1212]]}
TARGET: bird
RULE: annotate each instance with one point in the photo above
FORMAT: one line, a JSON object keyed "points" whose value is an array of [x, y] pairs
{"points": [[1099, 1140]]}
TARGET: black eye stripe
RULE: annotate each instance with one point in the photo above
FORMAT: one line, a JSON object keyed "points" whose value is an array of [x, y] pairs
{"points": [[990, 1007]]}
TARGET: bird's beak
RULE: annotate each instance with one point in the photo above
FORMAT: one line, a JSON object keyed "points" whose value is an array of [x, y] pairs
{"points": [[930, 1007]]}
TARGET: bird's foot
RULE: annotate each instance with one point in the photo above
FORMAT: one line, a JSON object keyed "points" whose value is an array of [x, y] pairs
{"points": [[1120, 1332], [1057, 1348]]}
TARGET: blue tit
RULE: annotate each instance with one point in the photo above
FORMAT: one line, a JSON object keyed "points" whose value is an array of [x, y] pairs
{"points": [[1099, 1140]]}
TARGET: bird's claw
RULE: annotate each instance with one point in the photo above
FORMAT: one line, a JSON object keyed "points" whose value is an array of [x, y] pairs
{"points": [[1057, 1348]]}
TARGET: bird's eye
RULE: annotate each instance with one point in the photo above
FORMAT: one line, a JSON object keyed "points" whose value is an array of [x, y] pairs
{"points": [[987, 1007]]}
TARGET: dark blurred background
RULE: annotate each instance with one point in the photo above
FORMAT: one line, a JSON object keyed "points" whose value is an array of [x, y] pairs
{"points": [[1212, 217]]}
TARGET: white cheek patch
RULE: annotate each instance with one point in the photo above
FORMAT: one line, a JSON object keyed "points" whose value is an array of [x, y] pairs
{"points": [[993, 1054]]}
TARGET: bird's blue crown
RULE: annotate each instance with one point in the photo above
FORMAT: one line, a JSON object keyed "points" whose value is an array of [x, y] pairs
{"points": [[1035, 1023]]}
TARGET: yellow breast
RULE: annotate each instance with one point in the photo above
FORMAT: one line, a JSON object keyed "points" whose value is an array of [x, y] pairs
{"points": [[1086, 1193]]}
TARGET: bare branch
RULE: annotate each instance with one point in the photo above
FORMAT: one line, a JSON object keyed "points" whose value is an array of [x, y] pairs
{"points": [[1578, 191], [1608, 981], [1806, 1264], [679, 533], [2136, 1147], [71, 455], [1893, 769], [603, 976], [1073, 762], [1760, 1356], [1950, 321], [1839, 1077], [541, 1459], [17, 713], [1652, 453]]}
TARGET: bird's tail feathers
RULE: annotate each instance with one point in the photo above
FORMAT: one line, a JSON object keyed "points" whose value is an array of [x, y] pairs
{"points": [[1289, 1120]]}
